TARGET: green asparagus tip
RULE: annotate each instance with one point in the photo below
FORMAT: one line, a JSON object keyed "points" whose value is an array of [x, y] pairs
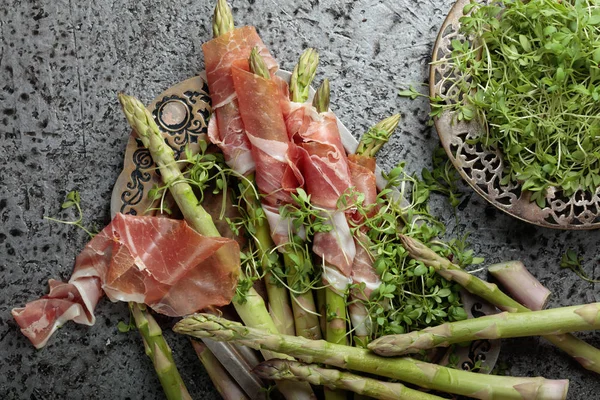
{"points": [[389, 124], [321, 99], [138, 117], [303, 75], [222, 19], [257, 64], [372, 141]]}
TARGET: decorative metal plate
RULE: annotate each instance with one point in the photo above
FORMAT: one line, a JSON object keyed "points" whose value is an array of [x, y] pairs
{"points": [[482, 168], [182, 114]]}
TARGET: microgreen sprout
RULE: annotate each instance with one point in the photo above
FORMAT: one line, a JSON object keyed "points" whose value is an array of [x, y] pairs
{"points": [[206, 170], [73, 199], [529, 72], [573, 261]]}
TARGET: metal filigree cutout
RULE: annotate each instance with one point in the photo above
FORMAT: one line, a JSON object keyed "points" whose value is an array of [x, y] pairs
{"points": [[182, 114], [483, 168]]}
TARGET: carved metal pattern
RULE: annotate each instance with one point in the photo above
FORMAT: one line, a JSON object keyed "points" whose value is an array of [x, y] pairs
{"points": [[182, 114], [484, 351], [183, 117], [134, 193], [483, 168]]}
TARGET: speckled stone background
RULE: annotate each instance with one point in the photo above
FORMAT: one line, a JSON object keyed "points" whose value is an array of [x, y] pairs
{"points": [[61, 65]]}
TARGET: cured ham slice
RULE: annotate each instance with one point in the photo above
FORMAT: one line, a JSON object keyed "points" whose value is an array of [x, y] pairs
{"points": [[65, 302], [322, 156], [362, 176], [219, 55], [362, 171], [157, 261], [226, 128], [281, 227], [260, 109], [336, 247], [324, 165]]}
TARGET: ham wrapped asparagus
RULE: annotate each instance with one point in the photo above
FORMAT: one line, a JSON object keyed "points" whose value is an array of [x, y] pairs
{"points": [[277, 176]]}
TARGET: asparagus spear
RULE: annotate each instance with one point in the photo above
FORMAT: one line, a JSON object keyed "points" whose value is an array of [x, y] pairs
{"points": [[303, 75], [322, 308], [321, 99], [257, 64], [159, 352], [252, 310], [519, 282], [303, 305], [306, 318], [336, 301], [335, 379], [372, 141], [224, 383], [222, 19], [556, 321], [369, 145], [279, 301], [588, 356], [430, 376]]}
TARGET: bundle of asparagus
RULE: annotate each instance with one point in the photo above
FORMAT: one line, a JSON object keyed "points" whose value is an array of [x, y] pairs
{"points": [[264, 333], [419, 373], [336, 301], [355, 220]]}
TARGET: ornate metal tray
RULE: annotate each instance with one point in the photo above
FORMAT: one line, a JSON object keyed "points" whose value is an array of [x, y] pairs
{"points": [[482, 168], [182, 114]]}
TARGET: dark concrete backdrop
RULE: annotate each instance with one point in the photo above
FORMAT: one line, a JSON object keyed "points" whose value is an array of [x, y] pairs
{"points": [[62, 63]]}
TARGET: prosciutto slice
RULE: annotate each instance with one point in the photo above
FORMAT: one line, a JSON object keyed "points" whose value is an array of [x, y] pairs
{"points": [[226, 129], [322, 156], [362, 171], [158, 261], [260, 109], [324, 165], [362, 176]]}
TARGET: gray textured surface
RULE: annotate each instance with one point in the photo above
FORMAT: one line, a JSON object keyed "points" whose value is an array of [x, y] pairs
{"points": [[61, 65]]}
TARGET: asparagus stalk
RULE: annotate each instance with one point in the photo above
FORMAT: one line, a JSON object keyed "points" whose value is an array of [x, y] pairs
{"points": [[336, 302], [142, 122], [321, 99], [279, 301], [222, 19], [224, 383], [430, 376], [159, 352], [335, 379], [252, 310], [257, 64], [519, 282], [369, 145], [498, 326], [588, 356], [304, 308], [303, 75], [303, 304], [336, 316], [372, 141], [322, 308]]}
